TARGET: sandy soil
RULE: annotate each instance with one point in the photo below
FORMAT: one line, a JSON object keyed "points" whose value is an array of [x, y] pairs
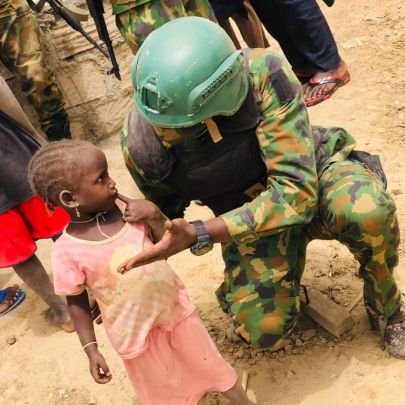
{"points": [[43, 365]]}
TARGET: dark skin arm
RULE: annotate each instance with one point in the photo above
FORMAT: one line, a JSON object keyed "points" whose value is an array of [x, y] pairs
{"points": [[178, 236], [80, 313], [139, 210]]}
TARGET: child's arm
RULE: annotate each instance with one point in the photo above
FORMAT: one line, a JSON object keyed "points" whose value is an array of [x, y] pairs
{"points": [[146, 211], [80, 313]]}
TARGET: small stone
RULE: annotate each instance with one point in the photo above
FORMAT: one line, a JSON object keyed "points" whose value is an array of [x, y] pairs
{"points": [[290, 373], [11, 340], [308, 334], [280, 353], [239, 354], [331, 344], [333, 376], [259, 355], [396, 191], [352, 43], [92, 401], [298, 342], [288, 348], [230, 350], [252, 362]]}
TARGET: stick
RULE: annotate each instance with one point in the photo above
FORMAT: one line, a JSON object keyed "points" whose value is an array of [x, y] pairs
{"points": [[245, 377]]}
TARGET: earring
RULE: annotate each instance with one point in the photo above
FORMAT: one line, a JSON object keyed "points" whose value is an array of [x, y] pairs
{"points": [[77, 212]]}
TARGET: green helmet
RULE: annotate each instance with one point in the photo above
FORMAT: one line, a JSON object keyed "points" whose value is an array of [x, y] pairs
{"points": [[187, 71]]}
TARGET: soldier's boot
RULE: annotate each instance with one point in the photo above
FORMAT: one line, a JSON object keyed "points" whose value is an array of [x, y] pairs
{"points": [[59, 130], [392, 330]]}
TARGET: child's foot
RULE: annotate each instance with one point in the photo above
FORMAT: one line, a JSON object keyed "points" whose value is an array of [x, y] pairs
{"points": [[61, 319], [10, 297]]}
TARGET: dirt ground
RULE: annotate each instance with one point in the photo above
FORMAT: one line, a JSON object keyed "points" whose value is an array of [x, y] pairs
{"points": [[43, 365]]}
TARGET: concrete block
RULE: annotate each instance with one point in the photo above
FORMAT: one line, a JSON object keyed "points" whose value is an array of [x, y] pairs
{"points": [[331, 316]]}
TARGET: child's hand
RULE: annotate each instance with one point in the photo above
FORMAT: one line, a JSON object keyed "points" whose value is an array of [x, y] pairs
{"points": [[145, 211], [98, 367]]}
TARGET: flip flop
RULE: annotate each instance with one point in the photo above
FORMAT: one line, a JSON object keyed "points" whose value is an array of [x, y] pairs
{"points": [[340, 81], [20, 297]]}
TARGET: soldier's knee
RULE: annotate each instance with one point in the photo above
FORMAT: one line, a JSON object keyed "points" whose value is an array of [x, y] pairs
{"points": [[266, 330]]}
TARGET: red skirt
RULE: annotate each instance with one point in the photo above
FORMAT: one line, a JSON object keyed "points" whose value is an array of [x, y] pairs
{"points": [[22, 225]]}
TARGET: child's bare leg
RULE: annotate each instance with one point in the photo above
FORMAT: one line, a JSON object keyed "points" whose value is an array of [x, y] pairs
{"points": [[32, 272], [237, 396]]}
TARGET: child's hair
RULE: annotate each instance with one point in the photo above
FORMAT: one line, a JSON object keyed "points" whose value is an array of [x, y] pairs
{"points": [[54, 168]]}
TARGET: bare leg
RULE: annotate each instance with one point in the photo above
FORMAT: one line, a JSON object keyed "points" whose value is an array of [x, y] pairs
{"points": [[32, 272], [237, 396]]}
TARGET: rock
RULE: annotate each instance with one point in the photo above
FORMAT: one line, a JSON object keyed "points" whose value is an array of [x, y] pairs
{"points": [[252, 362], [288, 348], [332, 317], [92, 401], [352, 43], [308, 334], [239, 354], [298, 342], [11, 340]]}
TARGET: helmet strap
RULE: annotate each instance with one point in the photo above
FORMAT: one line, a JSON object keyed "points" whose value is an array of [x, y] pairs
{"points": [[213, 130]]}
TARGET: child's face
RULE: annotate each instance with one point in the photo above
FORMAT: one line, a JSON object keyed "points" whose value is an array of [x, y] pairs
{"points": [[95, 190]]}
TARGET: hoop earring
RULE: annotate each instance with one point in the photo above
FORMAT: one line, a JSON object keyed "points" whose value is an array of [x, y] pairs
{"points": [[77, 212]]}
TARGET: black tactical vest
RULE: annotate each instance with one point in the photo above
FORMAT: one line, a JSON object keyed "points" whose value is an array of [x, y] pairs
{"points": [[222, 175]]}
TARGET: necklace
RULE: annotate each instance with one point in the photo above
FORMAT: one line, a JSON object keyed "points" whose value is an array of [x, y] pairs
{"points": [[96, 217]]}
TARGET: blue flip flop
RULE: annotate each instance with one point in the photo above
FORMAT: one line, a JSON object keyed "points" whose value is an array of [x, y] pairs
{"points": [[20, 297]]}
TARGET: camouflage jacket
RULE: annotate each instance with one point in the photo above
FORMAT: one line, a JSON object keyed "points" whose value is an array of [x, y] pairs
{"points": [[121, 6], [295, 154]]}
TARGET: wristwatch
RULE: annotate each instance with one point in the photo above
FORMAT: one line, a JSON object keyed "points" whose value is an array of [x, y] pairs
{"points": [[204, 242]]}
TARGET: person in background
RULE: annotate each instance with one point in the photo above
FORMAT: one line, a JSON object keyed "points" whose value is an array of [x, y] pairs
{"points": [[22, 52], [306, 40], [24, 217], [248, 23], [136, 19]]}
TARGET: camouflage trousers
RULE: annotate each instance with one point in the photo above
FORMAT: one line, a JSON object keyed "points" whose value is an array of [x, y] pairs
{"points": [[261, 288], [22, 52], [137, 23]]}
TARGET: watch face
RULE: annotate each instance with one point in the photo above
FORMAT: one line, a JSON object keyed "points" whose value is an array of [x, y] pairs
{"points": [[200, 249]]}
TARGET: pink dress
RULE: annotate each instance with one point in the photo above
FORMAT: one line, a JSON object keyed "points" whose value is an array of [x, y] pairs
{"points": [[168, 354]]}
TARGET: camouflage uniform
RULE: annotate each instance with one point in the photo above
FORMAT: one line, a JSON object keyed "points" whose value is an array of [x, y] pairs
{"points": [[138, 18], [313, 192], [22, 52]]}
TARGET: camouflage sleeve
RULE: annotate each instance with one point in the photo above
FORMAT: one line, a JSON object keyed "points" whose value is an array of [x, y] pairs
{"points": [[287, 146], [163, 196]]}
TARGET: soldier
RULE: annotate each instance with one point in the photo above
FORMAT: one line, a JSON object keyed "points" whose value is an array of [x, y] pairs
{"points": [[231, 129], [136, 19], [22, 52]]}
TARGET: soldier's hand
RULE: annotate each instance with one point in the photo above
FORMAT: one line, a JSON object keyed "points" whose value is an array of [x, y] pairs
{"points": [[179, 235]]}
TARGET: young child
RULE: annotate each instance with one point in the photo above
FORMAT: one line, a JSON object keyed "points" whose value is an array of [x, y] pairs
{"points": [[23, 216], [168, 354]]}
